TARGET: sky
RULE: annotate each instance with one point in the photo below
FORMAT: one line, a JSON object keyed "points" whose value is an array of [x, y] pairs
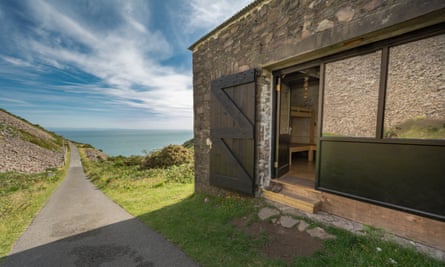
{"points": [[103, 63]]}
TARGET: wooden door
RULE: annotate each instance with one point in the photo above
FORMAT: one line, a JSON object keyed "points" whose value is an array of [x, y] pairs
{"points": [[282, 129], [232, 132]]}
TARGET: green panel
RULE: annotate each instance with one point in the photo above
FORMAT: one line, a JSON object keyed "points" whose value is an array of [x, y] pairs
{"points": [[411, 177]]}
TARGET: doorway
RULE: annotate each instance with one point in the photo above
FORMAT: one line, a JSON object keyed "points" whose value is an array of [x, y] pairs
{"points": [[297, 109]]}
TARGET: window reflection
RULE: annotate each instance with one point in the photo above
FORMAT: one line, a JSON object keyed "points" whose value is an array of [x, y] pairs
{"points": [[351, 96], [415, 96]]}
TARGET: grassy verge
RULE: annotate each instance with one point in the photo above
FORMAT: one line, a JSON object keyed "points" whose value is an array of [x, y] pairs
{"points": [[201, 225], [21, 197]]}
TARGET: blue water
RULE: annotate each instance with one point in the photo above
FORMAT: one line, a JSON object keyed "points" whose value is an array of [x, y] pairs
{"points": [[126, 142]]}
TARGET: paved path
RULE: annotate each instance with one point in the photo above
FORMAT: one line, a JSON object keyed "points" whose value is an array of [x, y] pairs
{"points": [[80, 226]]}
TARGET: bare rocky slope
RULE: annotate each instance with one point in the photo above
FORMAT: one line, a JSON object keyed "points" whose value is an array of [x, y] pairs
{"points": [[27, 148]]}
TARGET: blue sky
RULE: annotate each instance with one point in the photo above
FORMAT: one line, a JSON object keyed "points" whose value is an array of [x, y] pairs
{"points": [[103, 63]]}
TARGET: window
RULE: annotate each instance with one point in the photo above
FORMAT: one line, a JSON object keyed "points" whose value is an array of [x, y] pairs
{"points": [[415, 93], [351, 96]]}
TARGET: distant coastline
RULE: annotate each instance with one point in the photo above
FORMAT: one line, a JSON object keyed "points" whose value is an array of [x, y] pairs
{"points": [[126, 142]]}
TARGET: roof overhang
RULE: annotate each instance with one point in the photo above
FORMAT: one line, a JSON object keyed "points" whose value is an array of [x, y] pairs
{"points": [[257, 4]]}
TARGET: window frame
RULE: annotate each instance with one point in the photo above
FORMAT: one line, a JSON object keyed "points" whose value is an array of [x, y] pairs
{"points": [[384, 46], [376, 117]]}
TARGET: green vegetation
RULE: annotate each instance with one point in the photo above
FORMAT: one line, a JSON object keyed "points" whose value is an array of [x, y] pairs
{"points": [[48, 144], [189, 143], [21, 197], [206, 233], [202, 225], [418, 128], [172, 155], [54, 145]]}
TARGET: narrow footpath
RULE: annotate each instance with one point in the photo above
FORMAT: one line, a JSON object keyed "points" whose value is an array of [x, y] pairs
{"points": [[80, 226]]}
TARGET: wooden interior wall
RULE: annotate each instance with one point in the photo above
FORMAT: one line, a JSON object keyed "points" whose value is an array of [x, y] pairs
{"points": [[301, 127]]}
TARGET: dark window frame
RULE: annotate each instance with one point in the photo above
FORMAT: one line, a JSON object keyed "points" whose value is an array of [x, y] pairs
{"points": [[377, 115], [383, 46]]}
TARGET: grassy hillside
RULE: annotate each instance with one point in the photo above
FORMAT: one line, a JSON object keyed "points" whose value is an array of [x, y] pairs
{"points": [[33, 133], [31, 167], [26, 147]]}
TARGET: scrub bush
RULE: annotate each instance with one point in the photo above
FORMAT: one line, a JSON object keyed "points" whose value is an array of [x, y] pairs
{"points": [[169, 156]]}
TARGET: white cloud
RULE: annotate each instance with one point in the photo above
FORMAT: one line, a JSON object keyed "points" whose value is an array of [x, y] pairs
{"points": [[16, 61], [127, 57], [114, 41], [207, 14], [13, 100]]}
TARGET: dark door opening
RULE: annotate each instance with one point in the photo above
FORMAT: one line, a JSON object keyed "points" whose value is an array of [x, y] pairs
{"points": [[297, 109]]}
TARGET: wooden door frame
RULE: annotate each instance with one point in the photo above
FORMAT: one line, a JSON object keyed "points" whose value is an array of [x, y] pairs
{"points": [[276, 106]]}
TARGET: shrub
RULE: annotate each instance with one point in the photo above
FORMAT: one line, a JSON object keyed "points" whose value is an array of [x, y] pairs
{"points": [[168, 156], [120, 161], [183, 173], [189, 143]]}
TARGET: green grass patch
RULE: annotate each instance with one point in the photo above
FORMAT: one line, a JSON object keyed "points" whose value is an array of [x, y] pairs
{"points": [[21, 198], [368, 250], [48, 144], [202, 225], [418, 128]]}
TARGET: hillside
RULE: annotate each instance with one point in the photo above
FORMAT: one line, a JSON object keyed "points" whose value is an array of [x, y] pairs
{"points": [[27, 148]]}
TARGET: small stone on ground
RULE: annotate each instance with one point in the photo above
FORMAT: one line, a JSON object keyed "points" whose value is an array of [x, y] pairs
{"points": [[302, 226], [266, 213], [288, 221], [320, 233]]}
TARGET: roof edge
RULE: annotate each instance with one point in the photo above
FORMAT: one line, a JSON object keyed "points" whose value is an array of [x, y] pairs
{"points": [[227, 22]]}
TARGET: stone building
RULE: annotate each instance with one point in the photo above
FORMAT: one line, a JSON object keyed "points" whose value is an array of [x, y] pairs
{"points": [[336, 106]]}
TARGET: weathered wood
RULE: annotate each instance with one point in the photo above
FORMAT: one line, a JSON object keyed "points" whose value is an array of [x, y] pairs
{"points": [[295, 147], [232, 121], [233, 161], [234, 79], [241, 133], [287, 198], [243, 122], [427, 231]]}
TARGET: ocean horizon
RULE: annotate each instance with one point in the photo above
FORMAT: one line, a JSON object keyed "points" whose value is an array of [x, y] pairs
{"points": [[126, 142]]}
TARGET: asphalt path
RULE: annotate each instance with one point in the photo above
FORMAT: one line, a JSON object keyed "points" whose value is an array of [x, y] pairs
{"points": [[80, 226]]}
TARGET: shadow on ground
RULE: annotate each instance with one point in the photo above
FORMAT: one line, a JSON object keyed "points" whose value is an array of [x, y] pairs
{"points": [[112, 245]]}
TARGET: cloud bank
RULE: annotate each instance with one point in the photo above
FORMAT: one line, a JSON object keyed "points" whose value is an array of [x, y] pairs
{"points": [[109, 57]]}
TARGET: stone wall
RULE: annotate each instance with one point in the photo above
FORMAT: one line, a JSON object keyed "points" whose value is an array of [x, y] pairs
{"points": [[263, 129], [278, 33]]}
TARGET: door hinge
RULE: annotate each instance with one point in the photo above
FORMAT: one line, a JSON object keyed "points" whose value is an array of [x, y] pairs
{"points": [[275, 164], [279, 84]]}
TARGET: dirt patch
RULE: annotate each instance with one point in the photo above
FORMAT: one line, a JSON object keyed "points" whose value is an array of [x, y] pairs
{"points": [[282, 243]]}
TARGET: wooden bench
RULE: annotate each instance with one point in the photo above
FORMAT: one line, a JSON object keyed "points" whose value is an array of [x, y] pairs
{"points": [[305, 113], [300, 147]]}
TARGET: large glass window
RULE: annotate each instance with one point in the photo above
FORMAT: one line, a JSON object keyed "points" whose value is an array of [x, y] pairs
{"points": [[415, 94], [351, 96]]}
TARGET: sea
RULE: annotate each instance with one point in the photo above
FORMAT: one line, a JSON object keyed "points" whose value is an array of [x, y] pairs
{"points": [[126, 142]]}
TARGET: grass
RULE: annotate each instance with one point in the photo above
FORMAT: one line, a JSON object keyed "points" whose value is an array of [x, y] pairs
{"points": [[54, 145], [48, 144], [21, 197], [418, 128], [201, 224]]}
